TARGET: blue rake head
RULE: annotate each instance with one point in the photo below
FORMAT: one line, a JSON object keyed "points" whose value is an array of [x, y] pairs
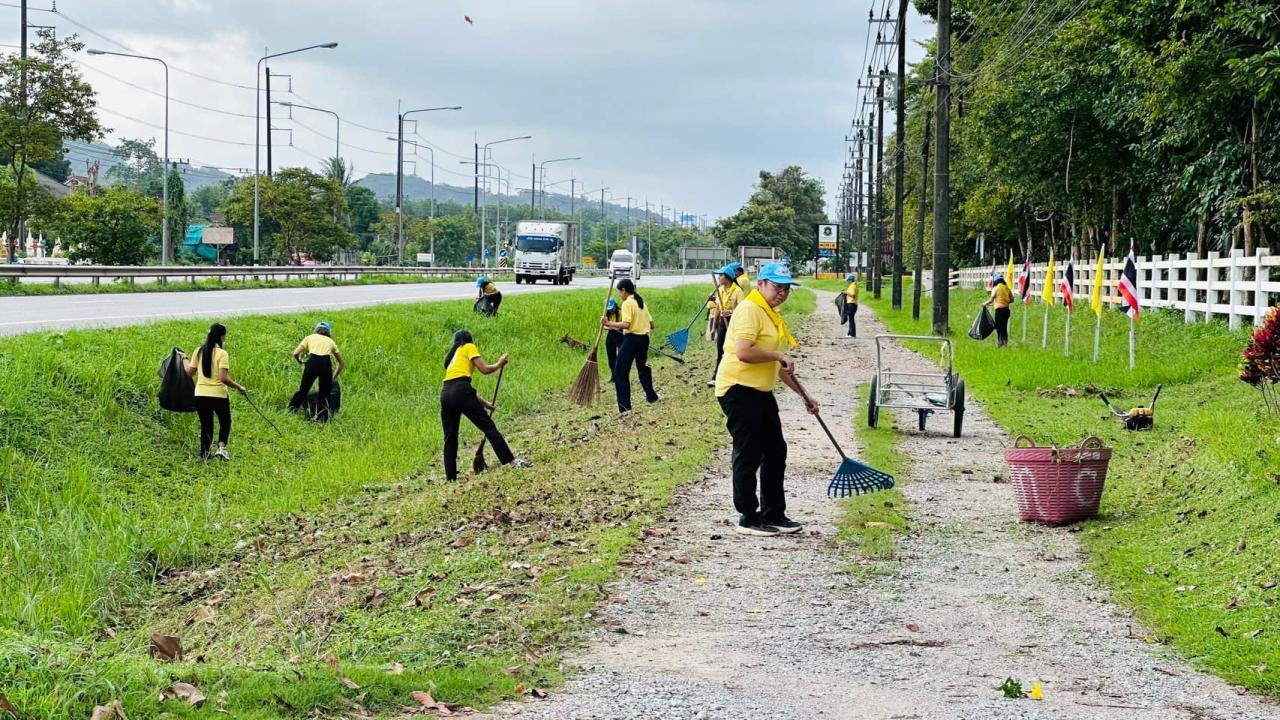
{"points": [[679, 341], [855, 478]]}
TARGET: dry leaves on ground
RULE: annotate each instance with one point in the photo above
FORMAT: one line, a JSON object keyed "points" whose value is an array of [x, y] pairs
{"points": [[428, 705], [332, 662], [166, 648], [183, 691], [114, 711]]}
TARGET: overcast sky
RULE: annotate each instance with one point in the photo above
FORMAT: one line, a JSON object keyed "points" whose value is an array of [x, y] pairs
{"points": [[678, 102]]}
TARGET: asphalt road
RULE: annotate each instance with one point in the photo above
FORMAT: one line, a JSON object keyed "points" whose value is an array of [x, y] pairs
{"points": [[61, 312]]}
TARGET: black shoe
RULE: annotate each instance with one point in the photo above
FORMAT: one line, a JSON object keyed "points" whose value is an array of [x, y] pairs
{"points": [[755, 528], [786, 525]]}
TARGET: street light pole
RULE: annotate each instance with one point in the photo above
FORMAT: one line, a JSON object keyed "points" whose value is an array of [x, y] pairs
{"points": [[164, 179], [257, 141], [542, 172], [400, 116], [337, 133], [478, 165]]}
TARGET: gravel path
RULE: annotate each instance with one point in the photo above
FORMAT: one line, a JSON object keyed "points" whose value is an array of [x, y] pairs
{"points": [[712, 625]]}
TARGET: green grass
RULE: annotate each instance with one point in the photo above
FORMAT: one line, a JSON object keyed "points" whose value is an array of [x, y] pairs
{"points": [[1191, 513], [318, 542], [869, 525], [125, 285]]}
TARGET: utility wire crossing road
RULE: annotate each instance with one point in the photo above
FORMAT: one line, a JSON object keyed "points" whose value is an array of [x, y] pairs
{"points": [[63, 312]]}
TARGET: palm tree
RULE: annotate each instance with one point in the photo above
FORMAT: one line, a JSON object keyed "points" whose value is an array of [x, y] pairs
{"points": [[335, 168]]}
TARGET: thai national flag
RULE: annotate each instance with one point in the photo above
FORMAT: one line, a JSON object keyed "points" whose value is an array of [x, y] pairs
{"points": [[1066, 283], [1129, 286], [1024, 281]]}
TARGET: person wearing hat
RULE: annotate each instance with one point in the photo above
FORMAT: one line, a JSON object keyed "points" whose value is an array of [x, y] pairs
{"points": [[757, 343], [487, 296], [636, 323], [724, 300], [612, 338], [851, 303], [740, 277], [320, 351], [1001, 298]]}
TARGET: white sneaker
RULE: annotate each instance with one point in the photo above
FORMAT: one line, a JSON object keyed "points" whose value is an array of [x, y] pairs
{"points": [[221, 454]]}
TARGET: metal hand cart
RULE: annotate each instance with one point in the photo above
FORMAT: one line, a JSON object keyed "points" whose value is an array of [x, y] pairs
{"points": [[925, 393]]}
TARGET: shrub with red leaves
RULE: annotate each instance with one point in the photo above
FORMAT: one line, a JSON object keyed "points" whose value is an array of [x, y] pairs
{"points": [[1261, 366]]}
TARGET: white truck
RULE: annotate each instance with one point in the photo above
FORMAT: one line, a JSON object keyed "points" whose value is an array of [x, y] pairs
{"points": [[624, 264], [546, 250]]}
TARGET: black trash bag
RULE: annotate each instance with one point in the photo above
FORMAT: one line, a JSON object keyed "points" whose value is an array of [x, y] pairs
{"points": [[335, 402], [983, 325], [841, 301], [485, 306], [177, 388]]}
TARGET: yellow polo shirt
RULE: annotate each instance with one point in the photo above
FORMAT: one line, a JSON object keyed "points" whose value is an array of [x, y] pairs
{"points": [[1002, 296], [749, 322], [640, 319], [851, 292], [490, 289], [744, 282], [729, 297], [211, 386], [317, 344], [460, 366]]}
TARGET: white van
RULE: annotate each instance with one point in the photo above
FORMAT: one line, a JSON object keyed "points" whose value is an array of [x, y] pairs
{"points": [[622, 264]]}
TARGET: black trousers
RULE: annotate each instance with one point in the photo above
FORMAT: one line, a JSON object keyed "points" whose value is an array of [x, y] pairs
{"points": [[458, 398], [721, 328], [612, 339], [1002, 325], [850, 311], [206, 408], [759, 451], [317, 367], [634, 349]]}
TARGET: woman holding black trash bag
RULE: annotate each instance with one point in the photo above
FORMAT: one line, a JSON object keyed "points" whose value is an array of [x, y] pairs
{"points": [[210, 365], [321, 351], [1001, 298]]}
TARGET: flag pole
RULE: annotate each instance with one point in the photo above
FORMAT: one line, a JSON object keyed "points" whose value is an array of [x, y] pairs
{"points": [[1131, 341], [1026, 310], [1066, 347], [1097, 337], [1044, 340]]}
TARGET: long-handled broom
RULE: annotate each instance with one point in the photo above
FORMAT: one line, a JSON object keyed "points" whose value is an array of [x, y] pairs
{"points": [[852, 477], [261, 414], [478, 464], [586, 386]]}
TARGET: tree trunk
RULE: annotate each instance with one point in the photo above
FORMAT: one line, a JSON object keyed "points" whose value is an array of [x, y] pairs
{"points": [[1115, 218], [1246, 227], [1202, 229]]}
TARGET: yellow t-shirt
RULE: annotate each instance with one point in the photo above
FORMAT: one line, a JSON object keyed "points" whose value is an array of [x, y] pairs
{"points": [[1003, 297], [851, 292], [317, 344], [490, 289], [460, 366], [640, 319], [749, 322], [211, 386], [744, 282], [729, 297]]}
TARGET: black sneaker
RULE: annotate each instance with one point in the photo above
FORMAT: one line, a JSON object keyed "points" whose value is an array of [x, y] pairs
{"points": [[756, 529], [786, 526]]}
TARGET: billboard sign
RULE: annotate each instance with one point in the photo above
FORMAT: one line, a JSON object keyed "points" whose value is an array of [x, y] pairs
{"points": [[218, 236], [828, 239]]}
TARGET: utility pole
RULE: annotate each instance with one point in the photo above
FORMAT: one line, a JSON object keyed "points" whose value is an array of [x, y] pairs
{"points": [[533, 187], [924, 193], [268, 121], [900, 156], [942, 188], [399, 180], [858, 215], [879, 214], [476, 178]]}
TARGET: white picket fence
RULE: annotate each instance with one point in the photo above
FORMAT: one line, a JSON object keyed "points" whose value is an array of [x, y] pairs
{"points": [[1234, 287]]}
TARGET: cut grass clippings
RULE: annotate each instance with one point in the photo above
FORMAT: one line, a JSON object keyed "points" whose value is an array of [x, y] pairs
{"points": [[331, 568], [125, 285], [1189, 523], [869, 525]]}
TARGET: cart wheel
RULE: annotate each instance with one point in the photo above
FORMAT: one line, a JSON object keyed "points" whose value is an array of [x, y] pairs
{"points": [[873, 412], [957, 408]]}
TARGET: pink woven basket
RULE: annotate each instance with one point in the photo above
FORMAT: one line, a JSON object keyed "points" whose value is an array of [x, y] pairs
{"points": [[1057, 485]]}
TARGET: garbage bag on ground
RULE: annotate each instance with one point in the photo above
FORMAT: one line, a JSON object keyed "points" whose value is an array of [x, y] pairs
{"points": [[335, 401], [983, 325], [177, 388]]}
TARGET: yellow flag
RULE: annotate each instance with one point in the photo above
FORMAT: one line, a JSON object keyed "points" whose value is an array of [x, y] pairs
{"points": [[1008, 273], [1047, 295], [1096, 301]]}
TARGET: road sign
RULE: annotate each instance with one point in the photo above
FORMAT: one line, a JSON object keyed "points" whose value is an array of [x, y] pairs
{"points": [[424, 258], [218, 236], [828, 240]]}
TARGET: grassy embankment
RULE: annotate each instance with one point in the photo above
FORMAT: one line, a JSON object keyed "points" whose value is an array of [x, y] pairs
{"points": [[123, 285], [337, 541], [1189, 528]]}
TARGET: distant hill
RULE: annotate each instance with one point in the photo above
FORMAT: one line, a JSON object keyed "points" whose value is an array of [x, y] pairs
{"points": [[80, 154], [415, 188]]}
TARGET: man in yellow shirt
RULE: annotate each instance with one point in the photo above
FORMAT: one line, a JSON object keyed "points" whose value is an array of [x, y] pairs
{"points": [[851, 303], [321, 351], [725, 299], [1001, 298], [758, 341]]}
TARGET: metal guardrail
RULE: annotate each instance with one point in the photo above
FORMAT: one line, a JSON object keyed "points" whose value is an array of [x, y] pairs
{"points": [[161, 273]]}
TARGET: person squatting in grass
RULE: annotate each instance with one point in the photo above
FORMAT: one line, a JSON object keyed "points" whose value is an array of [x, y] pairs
{"points": [[211, 367], [851, 304], [1001, 298], [488, 299], [724, 300], [635, 322], [758, 341], [320, 350], [459, 398], [612, 338]]}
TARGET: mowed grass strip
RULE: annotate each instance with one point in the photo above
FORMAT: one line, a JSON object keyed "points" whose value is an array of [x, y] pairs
{"points": [[125, 285], [1191, 514], [336, 542], [869, 525]]}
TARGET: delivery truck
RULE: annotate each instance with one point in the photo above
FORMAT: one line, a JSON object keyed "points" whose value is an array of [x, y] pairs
{"points": [[547, 251]]}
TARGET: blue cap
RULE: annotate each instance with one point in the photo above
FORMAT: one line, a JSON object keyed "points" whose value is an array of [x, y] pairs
{"points": [[613, 303], [777, 273], [851, 278], [325, 326], [732, 268], [480, 281], [726, 271]]}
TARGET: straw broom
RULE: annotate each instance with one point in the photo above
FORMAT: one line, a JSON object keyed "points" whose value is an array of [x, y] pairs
{"points": [[586, 386]]}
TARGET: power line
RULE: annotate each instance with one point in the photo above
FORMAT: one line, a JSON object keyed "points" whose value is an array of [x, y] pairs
{"points": [[157, 93], [175, 132]]}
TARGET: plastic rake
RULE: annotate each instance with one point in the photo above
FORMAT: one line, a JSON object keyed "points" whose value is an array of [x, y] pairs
{"points": [[853, 477], [678, 341]]}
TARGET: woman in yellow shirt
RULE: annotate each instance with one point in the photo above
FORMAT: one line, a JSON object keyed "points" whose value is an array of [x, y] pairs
{"points": [[458, 398], [726, 298], [635, 322], [488, 298], [756, 360], [1001, 298], [320, 350], [851, 303], [211, 367]]}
